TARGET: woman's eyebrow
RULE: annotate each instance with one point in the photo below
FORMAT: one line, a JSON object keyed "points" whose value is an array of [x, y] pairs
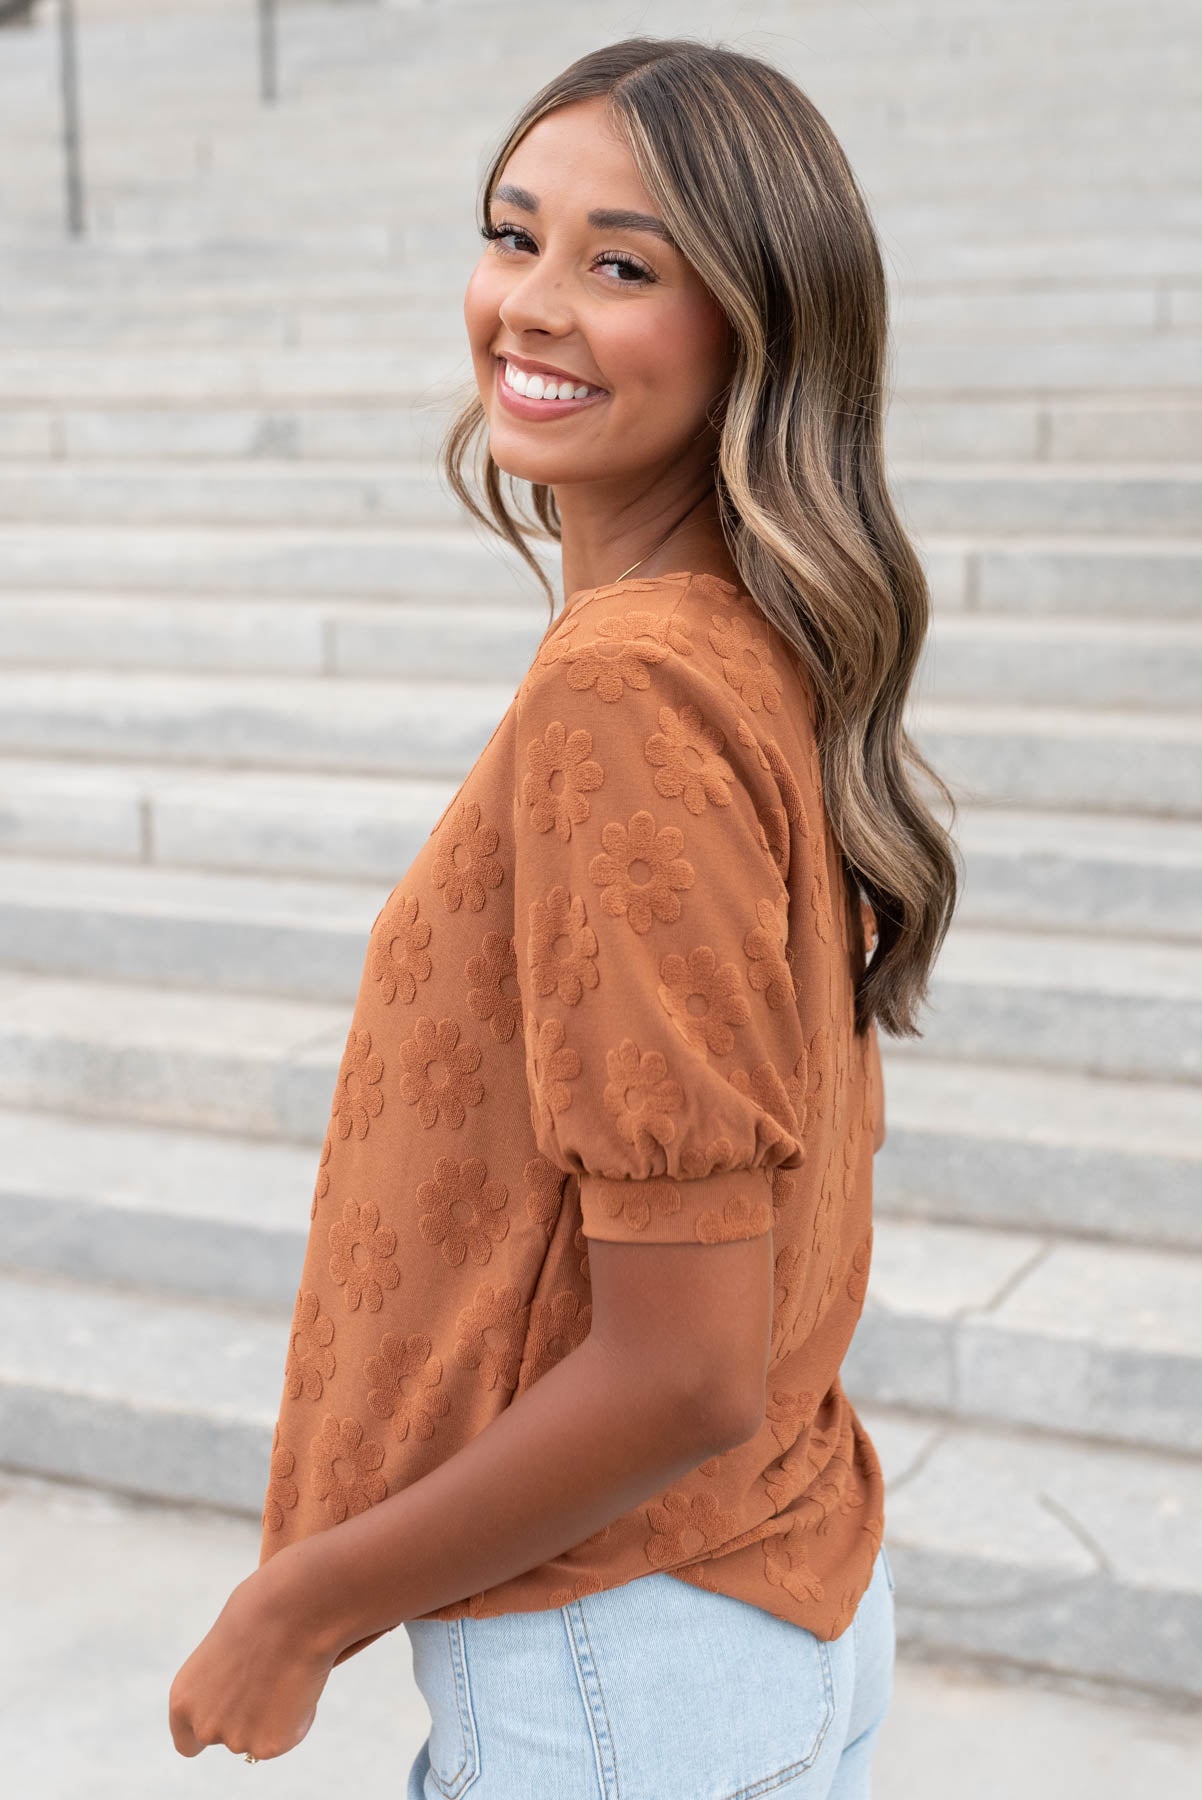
{"points": [[605, 218]]}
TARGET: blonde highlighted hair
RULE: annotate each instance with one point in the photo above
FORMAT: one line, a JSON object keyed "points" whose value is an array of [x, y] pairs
{"points": [[761, 200]]}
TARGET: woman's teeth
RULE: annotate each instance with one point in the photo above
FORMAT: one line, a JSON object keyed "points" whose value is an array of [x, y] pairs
{"points": [[541, 387]]}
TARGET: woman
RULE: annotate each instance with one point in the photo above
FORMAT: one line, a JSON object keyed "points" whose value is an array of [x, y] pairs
{"points": [[592, 1224]]}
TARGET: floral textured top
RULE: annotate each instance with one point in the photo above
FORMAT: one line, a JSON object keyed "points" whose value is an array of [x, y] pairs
{"points": [[613, 998]]}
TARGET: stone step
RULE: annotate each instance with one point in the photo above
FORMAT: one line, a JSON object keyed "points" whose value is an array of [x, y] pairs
{"points": [[1116, 1007], [249, 492], [1005, 1542], [1068, 1152], [1154, 429], [190, 1214], [1148, 578], [994, 498], [1062, 871], [1075, 662], [1066, 661], [1104, 760], [183, 928], [270, 562], [442, 641], [286, 822], [262, 1067], [1050, 1555], [1106, 1006], [1085, 1340], [1059, 871], [356, 725], [1032, 1149]]}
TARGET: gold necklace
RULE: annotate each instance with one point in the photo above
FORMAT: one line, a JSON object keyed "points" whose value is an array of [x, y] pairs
{"points": [[659, 546]]}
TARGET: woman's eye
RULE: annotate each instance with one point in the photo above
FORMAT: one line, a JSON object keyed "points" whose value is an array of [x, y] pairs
{"points": [[631, 267], [630, 270], [495, 233]]}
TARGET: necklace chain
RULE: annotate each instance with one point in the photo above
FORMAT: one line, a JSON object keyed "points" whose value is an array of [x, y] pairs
{"points": [[660, 545]]}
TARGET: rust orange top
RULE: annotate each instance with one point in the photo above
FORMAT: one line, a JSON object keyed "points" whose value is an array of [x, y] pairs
{"points": [[612, 997]]}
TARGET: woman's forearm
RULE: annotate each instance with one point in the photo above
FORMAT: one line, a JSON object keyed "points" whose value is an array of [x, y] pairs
{"points": [[589, 1440]]}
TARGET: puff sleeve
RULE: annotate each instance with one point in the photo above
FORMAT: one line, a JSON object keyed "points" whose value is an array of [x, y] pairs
{"points": [[651, 930]]}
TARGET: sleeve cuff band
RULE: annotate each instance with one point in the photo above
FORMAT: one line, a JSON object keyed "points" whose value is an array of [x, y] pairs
{"points": [[714, 1209]]}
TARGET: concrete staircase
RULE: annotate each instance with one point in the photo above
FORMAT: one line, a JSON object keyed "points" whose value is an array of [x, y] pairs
{"points": [[247, 646]]}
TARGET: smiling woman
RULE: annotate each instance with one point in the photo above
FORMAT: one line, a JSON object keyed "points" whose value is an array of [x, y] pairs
{"points": [[579, 258], [592, 1225]]}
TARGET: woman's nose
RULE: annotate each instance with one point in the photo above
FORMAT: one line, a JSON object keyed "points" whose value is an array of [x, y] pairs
{"points": [[537, 301]]}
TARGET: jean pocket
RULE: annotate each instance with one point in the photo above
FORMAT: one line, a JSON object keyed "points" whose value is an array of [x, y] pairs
{"points": [[699, 1692], [888, 1567], [441, 1674]]}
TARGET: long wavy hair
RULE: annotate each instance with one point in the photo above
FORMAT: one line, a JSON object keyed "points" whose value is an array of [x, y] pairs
{"points": [[761, 200]]}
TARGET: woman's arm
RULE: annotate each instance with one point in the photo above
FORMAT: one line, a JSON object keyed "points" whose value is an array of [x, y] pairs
{"points": [[652, 1392]]}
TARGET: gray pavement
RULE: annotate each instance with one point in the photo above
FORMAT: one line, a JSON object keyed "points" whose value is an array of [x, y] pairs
{"points": [[105, 1597]]}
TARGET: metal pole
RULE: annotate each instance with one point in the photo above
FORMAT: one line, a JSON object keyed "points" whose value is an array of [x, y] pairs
{"points": [[268, 85], [71, 139]]}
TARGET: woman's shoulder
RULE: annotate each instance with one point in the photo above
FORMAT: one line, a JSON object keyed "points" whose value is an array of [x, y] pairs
{"points": [[690, 641]]}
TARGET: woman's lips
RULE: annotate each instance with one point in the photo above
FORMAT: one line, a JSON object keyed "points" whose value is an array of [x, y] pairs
{"points": [[525, 408]]}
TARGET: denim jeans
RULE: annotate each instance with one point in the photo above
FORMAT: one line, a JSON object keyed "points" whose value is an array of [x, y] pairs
{"points": [[655, 1690]]}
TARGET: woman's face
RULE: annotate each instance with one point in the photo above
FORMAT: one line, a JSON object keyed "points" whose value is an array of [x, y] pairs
{"points": [[607, 302]]}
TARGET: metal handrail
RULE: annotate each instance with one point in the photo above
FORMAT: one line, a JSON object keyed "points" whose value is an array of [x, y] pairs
{"points": [[68, 70], [268, 61], [69, 80]]}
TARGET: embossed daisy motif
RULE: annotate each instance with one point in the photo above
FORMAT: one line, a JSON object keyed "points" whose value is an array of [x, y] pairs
{"points": [[465, 866], [361, 1255], [399, 949], [310, 1360], [776, 1122], [683, 1525], [686, 755], [282, 1493], [562, 951], [747, 662], [321, 1184], [544, 1193], [493, 992], [739, 1217], [560, 775], [462, 1212], [773, 758], [553, 1066], [447, 1094], [357, 1098], [558, 1325], [346, 1469], [637, 1203], [491, 1332], [406, 1377], [704, 999], [641, 871], [640, 1096], [788, 1412], [765, 947], [617, 657], [857, 1281], [787, 1565]]}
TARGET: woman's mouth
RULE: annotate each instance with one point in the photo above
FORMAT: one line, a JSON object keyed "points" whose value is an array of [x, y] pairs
{"points": [[538, 396]]}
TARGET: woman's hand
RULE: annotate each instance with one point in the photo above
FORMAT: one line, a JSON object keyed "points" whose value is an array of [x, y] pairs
{"points": [[253, 1683]]}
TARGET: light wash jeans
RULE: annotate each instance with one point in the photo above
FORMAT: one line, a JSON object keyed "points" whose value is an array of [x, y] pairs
{"points": [[655, 1690]]}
